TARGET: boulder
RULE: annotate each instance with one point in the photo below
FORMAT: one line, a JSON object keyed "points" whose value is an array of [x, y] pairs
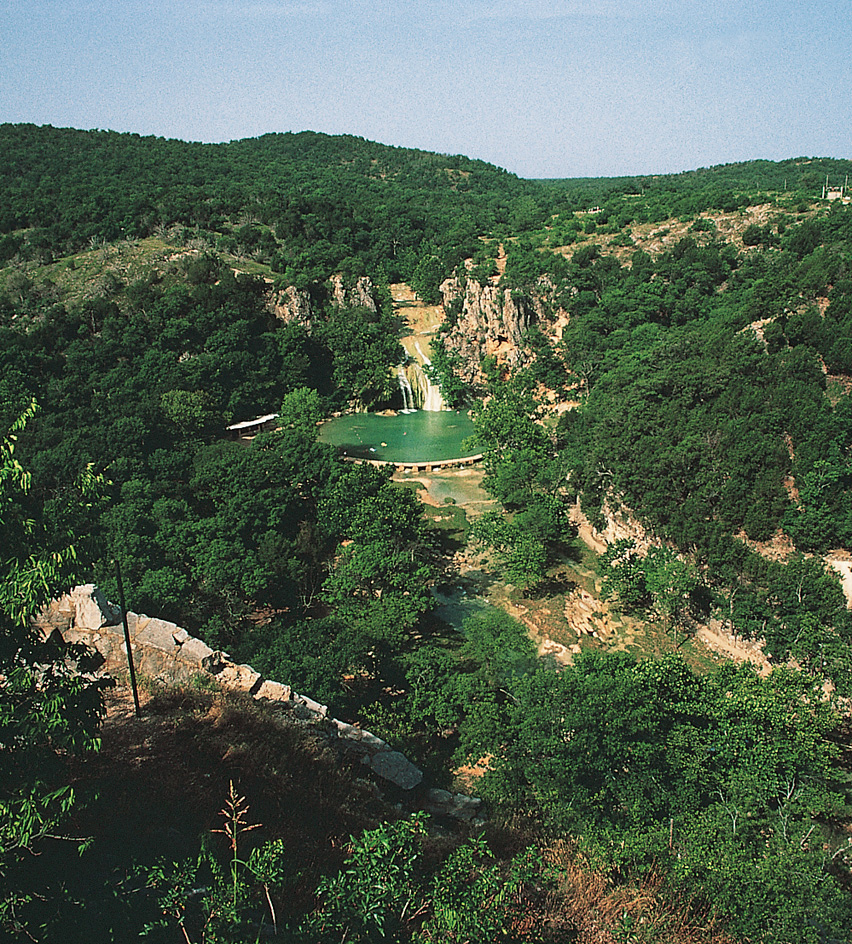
{"points": [[194, 650], [92, 610], [314, 707], [240, 677], [395, 767], [457, 805], [359, 739], [158, 633], [273, 691], [230, 675]]}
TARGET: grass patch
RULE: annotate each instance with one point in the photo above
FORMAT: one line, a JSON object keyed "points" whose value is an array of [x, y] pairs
{"points": [[447, 517], [107, 270]]}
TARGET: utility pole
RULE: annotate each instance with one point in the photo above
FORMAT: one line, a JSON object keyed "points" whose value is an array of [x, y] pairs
{"points": [[127, 638]]}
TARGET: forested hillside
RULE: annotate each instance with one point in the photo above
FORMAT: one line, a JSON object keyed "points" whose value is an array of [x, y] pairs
{"points": [[673, 351], [715, 404], [724, 187], [308, 204]]}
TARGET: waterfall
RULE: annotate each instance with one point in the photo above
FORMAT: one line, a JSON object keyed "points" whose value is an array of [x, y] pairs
{"points": [[405, 390], [432, 401], [417, 390]]}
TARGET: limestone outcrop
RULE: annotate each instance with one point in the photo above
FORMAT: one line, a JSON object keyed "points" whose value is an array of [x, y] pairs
{"points": [[491, 322], [167, 653], [292, 305], [620, 524], [359, 295]]}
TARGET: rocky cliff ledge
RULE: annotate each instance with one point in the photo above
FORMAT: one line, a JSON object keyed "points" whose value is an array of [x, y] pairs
{"points": [[164, 652], [486, 321], [297, 305], [491, 322]]}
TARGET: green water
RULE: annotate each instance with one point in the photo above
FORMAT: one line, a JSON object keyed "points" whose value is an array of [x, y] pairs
{"points": [[422, 436]]}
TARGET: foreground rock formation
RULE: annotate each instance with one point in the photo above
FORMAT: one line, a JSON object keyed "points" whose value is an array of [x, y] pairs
{"points": [[166, 653]]}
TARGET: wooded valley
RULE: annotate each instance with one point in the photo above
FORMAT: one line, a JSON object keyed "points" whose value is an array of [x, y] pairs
{"points": [[674, 352]]}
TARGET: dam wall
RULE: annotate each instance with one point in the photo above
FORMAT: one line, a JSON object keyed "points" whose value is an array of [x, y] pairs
{"points": [[435, 466]]}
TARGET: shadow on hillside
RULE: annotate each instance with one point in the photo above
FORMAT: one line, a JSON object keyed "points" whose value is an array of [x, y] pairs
{"points": [[155, 791]]}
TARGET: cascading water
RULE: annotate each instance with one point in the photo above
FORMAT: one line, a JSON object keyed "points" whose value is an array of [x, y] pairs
{"points": [[406, 391], [418, 391], [433, 402]]}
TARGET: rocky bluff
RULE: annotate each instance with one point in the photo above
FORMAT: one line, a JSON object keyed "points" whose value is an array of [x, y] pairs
{"points": [[490, 321], [480, 321], [300, 305]]}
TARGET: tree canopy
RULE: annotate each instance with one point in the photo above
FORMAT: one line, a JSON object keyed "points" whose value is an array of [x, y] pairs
{"points": [[699, 383]]}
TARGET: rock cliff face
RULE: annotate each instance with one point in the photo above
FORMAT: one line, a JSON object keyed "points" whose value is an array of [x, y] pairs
{"points": [[359, 295], [621, 524], [491, 322], [291, 305], [294, 305]]}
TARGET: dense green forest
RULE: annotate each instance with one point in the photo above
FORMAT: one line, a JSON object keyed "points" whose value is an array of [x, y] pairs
{"points": [[309, 204], [711, 377]]}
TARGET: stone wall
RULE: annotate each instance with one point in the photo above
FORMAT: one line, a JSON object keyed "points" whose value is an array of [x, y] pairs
{"points": [[166, 653]]}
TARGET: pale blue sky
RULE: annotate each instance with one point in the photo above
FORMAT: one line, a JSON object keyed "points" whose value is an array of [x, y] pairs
{"points": [[544, 89]]}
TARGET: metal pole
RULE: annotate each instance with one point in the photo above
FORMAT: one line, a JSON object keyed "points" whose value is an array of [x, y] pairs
{"points": [[127, 638]]}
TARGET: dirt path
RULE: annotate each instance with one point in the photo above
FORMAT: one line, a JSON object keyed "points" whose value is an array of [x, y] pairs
{"points": [[731, 648], [840, 561]]}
